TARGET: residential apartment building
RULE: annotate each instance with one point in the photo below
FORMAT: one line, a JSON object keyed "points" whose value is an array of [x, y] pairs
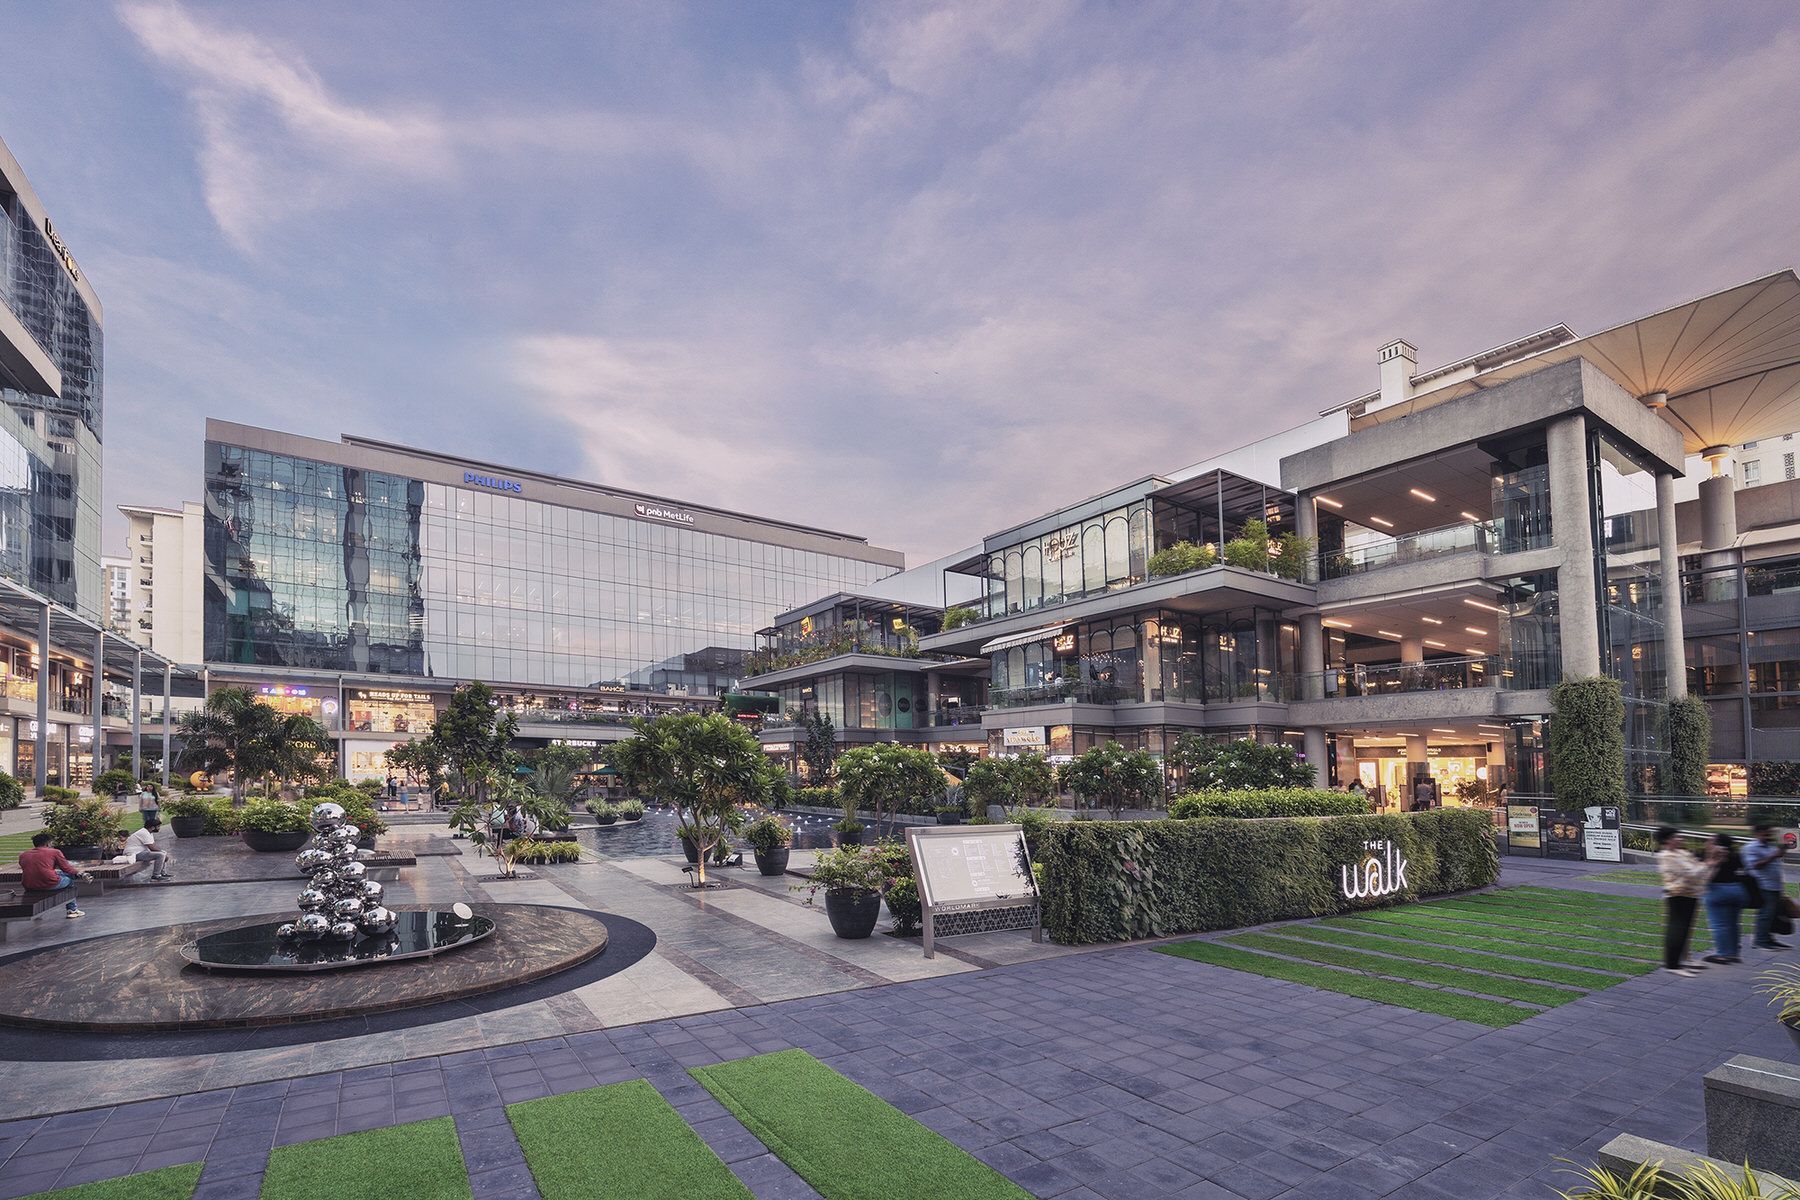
{"points": [[117, 573], [165, 555]]}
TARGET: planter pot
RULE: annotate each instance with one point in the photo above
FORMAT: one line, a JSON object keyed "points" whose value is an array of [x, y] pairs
{"points": [[954, 818], [849, 839], [853, 914], [188, 827], [80, 853], [275, 843], [630, 820], [692, 851], [772, 862], [1793, 1032], [366, 842], [608, 820]]}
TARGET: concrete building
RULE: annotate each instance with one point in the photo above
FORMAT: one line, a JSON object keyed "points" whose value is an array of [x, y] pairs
{"points": [[166, 554], [117, 572]]}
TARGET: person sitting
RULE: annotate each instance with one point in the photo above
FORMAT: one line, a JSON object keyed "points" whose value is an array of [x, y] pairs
{"points": [[44, 869], [142, 846]]}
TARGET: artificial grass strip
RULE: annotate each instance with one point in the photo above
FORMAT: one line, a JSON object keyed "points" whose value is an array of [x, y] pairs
{"points": [[844, 1140], [1543, 947], [1583, 935], [1475, 960], [165, 1183], [1574, 925], [14, 844], [1561, 910], [1401, 968], [420, 1161], [1630, 905], [1349, 983], [1647, 878], [620, 1141]]}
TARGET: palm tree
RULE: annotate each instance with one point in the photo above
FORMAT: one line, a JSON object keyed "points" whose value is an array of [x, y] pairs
{"points": [[236, 732]]}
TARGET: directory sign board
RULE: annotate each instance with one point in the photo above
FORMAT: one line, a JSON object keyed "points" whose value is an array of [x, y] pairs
{"points": [[971, 868], [1600, 837]]}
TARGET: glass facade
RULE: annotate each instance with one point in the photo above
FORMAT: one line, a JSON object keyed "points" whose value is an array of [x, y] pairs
{"points": [[1107, 551], [50, 445], [859, 700], [318, 565], [1631, 603], [1742, 625]]}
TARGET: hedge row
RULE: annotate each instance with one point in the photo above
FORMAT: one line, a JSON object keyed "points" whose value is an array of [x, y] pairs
{"points": [[1112, 881], [1272, 802]]}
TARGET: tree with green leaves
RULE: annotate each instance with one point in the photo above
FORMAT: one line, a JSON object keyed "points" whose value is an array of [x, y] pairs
{"points": [[1009, 782], [474, 740], [554, 769], [818, 747], [1112, 777], [236, 732], [882, 778], [705, 766], [1245, 764], [421, 759]]}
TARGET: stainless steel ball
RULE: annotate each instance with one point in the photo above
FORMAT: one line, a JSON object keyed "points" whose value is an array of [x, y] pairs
{"points": [[327, 815], [349, 908], [312, 900], [311, 860], [324, 878], [312, 925], [352, 872], [343, 931], [345, 835], [377, 920], [286, 931], [370, 892]]}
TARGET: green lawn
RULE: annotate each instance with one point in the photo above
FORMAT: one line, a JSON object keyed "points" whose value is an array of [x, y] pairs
{"points": [[420, 1161], [844, 1140], [169, 1183], [1494, 958], [1650, 878], [619, 1142], [14, 844]]}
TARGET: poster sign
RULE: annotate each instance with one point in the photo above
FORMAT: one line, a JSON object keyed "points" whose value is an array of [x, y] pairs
{"points": [[1600, 837], [1522, 832], [1562, 834], [1032, 735], [969, 869]]}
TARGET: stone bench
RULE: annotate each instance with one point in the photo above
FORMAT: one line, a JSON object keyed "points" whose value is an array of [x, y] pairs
{"points": [[19, 905], [1626, 1153], [103, 874], [1753, 1113]]}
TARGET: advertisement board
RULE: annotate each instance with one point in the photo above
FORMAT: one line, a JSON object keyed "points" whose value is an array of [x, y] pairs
{"points": [[1562, 834], [1601, 840], [964, 869], [1031, 735], [1522, 831]]}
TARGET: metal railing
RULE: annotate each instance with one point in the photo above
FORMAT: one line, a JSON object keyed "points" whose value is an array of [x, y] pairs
{"points": [[1482, 537]]}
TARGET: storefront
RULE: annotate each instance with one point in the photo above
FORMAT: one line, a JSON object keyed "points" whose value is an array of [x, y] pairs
{"points": [[383, 710], [70, 752], [366, 759], [306, 700]]}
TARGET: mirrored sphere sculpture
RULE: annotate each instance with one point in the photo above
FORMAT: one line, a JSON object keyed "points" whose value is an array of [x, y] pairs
{"points": [[339, 901], [327, 816]]}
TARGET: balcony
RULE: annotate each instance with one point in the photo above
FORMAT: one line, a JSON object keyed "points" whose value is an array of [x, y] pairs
{"points": [[960, 714], [1481, 537]]}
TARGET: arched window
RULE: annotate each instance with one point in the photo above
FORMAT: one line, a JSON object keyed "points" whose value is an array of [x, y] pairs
{"points": [[1140, 544], [1015, 583], [996, 603], [1118, 552], [1015, 668], [1033, 576], [1093, 559]]}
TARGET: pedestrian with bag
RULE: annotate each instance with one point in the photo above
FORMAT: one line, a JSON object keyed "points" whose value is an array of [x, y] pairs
{"points": [[1728, 893], [1684, 878], [1762, 862]]}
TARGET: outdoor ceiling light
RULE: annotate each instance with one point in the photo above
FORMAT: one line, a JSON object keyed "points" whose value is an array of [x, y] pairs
{"points": [[1476, 650], [1476, 630], [1383, 522], [1335, 623], [1327, 500], [1387, 633], [1431, 620], [1466, 515], [1439, 645], [1427, 497], [1480, 604], [1435, 729]]}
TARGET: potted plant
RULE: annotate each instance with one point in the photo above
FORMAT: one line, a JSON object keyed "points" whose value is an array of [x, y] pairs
{"points": [[1782, 987], [852, 879], [949, 816], [770, 839], [84, 829], [689, 846], [900, 888], [604, 812], [849, 831], [188, 815], [631, 811], [275, 826]]}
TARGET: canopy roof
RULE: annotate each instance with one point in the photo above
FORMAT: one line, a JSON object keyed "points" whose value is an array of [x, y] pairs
{"points": [[1729, 363]]}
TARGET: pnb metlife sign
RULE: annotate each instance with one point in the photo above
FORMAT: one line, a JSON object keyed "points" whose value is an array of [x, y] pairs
{"points": [[659, 512], [492, 481]]}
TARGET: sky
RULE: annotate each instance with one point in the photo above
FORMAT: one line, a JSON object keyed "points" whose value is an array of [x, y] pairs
{"points": [[911, 271]]}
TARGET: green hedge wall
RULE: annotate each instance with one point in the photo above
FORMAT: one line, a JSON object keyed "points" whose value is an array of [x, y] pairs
{"points": [[1690, 745], [1112, 881], [1272, 802], [1587, 742]]}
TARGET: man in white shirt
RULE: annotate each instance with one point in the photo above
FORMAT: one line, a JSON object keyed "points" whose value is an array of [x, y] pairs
{"points": [[142, 846]]}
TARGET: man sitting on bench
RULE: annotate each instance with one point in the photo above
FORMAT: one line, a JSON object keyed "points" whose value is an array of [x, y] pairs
{"points": [[44, 869], [141, 846]]}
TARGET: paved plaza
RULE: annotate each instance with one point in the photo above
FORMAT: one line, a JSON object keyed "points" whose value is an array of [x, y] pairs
{"points": [[1114, 1072]]}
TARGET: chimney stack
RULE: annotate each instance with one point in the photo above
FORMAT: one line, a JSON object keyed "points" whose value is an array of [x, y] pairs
{"points": [[1398, 361]]}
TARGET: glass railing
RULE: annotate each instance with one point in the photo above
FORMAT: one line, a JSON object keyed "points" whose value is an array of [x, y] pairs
{"points": [[1436, 675], [958, 714], [1059, 692], [1482, 537], [1736, 815]]}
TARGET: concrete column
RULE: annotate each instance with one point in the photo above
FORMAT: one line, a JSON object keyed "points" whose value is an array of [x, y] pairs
{"points": [[168, 753], [95, 685], [137, 713], [1718, 529], [1412, 650], [1312, 656], [1669, 550], [1317, 755], [43, 700], [1306, 525], [934, 694], [1571, 521], [1417, 762]]}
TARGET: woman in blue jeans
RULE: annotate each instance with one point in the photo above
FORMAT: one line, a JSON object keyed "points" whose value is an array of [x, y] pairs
{"points": [[1726, 897]]}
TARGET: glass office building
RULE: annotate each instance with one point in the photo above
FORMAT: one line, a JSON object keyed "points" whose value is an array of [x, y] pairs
{"points": [[364, 558]]}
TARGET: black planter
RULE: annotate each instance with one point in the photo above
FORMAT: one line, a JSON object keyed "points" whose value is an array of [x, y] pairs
{"points": [[772, 862], [188, 827], [949, 818], [853, 913], [80, 853], [690, 849], [275, 843], [608, 819], [366, 842], [1793, 1029], [849, 838], [630, 820]]}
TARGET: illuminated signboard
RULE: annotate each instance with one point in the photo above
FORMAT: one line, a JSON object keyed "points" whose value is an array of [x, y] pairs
{"points": [[1380, 872], [281, 689], [395, 697], [661, 513], [492, 481], [62, 251], [1032, 735]]}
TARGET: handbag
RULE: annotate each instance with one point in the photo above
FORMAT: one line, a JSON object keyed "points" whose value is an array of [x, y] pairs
{"points": [[1753, 896]]}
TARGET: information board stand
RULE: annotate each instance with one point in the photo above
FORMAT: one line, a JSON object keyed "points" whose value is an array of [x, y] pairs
{"points": [[972, 869], [1601, 835]]}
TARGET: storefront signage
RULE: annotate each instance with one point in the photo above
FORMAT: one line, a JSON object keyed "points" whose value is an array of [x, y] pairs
{"points": [[1522, 832], [280, 689], [395, 697], [62, 251], [1562, 834], [1382, 872], [1059, 546], [1030, 736], [1600, 841], [660, 513], [492, 481], [581, 743]]}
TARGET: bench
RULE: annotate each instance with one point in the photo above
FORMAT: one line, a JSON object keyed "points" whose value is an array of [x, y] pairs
{"points": [[18, 905], [384, 867], [103, 873]]}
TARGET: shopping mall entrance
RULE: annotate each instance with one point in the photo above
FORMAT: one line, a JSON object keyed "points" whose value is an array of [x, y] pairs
{"points": [[1461, 764]]}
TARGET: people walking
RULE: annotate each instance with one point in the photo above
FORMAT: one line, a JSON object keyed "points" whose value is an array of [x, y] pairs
{"points": [[149, 806], [1762, 861], [1726, 899], [1684, 878]]}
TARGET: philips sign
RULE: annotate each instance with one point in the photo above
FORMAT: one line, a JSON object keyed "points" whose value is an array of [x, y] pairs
{"points": [[493, 481]]}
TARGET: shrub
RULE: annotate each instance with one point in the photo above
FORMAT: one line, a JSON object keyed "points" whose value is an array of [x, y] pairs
{"points": [[1110, 881], [958, 615], [631, 810], [1273, 802], [768, 835], [1690, 744], [886, 779], [816, 797], [1766, 779], [12, 792], [603, 809], [901, 889], [1241, 765], [529, 850], [60, 795], [1110, 776], [85, 823], [221, 818], [847, 868], [274, 816], [1587, 743], [1182, 557], [1033, 821], [115, 782]]}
